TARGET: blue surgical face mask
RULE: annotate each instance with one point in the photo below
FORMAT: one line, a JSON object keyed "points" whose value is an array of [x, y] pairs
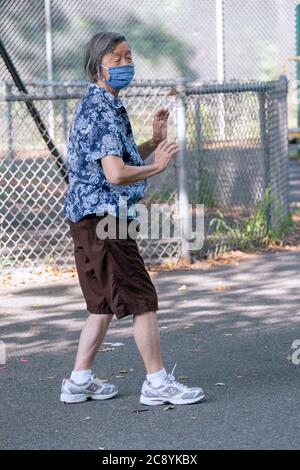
{"points": [[119, 76]]}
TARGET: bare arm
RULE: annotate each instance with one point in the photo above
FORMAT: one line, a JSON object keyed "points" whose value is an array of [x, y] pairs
{"points": [[116, 172], [146, 148]]}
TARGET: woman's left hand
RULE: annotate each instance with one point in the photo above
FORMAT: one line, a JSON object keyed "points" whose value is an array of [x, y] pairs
{"points": [[160, 125]]}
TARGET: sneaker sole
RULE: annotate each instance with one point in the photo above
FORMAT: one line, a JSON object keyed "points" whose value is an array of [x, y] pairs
{"points": [[173, 401], [64, 398]]}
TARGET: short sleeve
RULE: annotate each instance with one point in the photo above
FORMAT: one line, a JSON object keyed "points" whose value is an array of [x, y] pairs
{"points": [[104, 137]]}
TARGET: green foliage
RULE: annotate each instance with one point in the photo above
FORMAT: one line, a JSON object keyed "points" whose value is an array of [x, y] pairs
{"points": [[268, 59], [150, 41], [206, 189], [5, 261], [154, 42], [257, 229], [49, 262]]}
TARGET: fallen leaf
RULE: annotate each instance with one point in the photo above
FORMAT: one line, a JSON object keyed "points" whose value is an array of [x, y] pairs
{"points": [[101, 380], [198, 350], [169, 264], [188, 325], [106, 349], [219, 384], [23, 359], [228, 334], [140, 410], [224, 287], [123, 371], [169, 407], [183, 287], [120, 376], [114, 344], [86, 419]]}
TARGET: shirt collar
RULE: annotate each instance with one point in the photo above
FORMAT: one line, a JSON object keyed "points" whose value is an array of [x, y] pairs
{"points": [[112, 100]]}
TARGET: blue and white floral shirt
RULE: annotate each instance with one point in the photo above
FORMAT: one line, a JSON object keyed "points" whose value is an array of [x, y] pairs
{"points": [[100, 127]]}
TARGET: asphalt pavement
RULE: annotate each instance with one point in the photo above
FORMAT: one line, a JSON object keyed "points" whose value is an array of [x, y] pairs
{"points": [[229, 328]]}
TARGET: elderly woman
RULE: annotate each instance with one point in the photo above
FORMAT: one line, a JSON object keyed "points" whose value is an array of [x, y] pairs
{"points": [[105, 163]]}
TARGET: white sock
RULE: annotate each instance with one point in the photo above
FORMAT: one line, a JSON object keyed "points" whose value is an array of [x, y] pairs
{"points": [[81, 376], [157, 378]]}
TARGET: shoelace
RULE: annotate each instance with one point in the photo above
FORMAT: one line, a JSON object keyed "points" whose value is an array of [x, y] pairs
{"points": [[171, 379]]}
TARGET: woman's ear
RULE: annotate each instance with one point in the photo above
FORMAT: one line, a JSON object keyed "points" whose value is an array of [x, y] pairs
{"points": [[102, 73], [99, 72]]}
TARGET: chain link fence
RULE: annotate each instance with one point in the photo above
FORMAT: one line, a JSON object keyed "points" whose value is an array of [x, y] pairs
{"points": [[202, 40], [237, 160], [234, 160]]}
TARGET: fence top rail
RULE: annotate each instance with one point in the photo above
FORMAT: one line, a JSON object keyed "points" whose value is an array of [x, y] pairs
{"points": [[237, 87], [50, 96], [161, 87], [83, 83]]}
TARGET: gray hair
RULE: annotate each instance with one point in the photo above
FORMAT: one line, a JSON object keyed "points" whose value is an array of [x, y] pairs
{"points": [[96, 48]]}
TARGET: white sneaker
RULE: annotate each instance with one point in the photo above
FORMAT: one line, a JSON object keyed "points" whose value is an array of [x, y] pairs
{"points": [[170, 391], [93, 388]]}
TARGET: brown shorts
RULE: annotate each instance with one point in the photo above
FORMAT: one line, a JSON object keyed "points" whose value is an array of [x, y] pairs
{"points": [[111, 272]]}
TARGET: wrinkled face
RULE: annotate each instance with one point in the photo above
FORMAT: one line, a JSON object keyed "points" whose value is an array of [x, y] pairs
{"points": [[121, 55]]}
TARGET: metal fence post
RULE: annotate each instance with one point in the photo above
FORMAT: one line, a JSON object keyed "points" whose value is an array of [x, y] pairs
{"points": [[264, 137], [197, 110], [182, 173], [298, 63], [65, 126], [9, 115], [284, 131]]}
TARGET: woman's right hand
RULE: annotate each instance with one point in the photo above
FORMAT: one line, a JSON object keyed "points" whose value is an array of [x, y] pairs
{"points": [[164, 152]]}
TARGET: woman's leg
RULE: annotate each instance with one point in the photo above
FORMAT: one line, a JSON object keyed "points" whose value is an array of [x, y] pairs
{"points": [[92, 335], [147, 338]]}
